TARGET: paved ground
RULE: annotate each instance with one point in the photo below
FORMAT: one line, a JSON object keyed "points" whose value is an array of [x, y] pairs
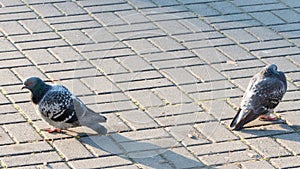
{"points": [[168, 75]]}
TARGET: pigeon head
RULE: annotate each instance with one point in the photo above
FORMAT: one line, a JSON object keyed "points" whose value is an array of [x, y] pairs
{"points": [[271, 70], [37, 87], [33, 83]]}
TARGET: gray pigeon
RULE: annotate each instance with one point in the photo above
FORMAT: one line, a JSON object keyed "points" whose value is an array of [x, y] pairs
{"points": [[263, 94], [59, 107]]}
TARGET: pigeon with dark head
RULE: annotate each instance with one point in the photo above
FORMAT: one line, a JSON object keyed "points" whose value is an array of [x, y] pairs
{"points": [[262, 95], [59, 107]]}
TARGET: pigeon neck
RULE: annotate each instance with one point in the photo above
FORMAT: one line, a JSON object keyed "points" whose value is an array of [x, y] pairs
{"points": [[39, 93]]}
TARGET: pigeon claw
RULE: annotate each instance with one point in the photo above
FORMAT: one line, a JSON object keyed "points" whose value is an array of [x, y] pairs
{"points": [[53, 130], [268, 118]]}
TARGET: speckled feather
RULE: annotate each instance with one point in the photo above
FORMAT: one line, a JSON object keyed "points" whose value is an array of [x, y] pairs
{"points": [[262, 95]]}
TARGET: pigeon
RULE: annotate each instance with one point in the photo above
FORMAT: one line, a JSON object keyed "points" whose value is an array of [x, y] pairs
{"points": [[262, 95], [59, 107]]}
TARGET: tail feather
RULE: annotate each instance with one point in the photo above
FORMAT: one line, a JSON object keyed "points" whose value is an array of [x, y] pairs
{"points": [[242, 118]]}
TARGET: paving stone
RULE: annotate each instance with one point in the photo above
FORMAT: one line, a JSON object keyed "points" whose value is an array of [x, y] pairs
{"points": [[76, 87], [218, 94], [229, 157], [228, 166], [138, 119], [267, 18], [173, 95], [30, 159], [267, 147], [132, 17], [239, 65], [100, 35], [287, 15], [171, 110], [205, 73], [238, 54], [7, 77], [264, 7], [203, 10], [267, 45], [240, 35], [29, 71], [264, 131], [191, 118], [8, 108], [242, 73], [135, 76], [101, 145], [286, 162], [5, 138], [109, 66], [211, 55], [207, 86], [41, 44], [145, 84], [166, 44], [108, 8], [19, 149], [177, 63], [40, 56], [215, 131], [187, 135], [11, 118], [225, 8], [163, 10], [257, 164], [12, 28], [140, 135], [100, 85], [65, 54], [135, 63], [64, 147], [287, 106], [11, 3], [17, 132], [113, 107], [29, 109], [36, 26], [146, 98], [112, 53], [142, 4], [181, 158], [180, 76], [237, 24], [11, 15], [254, 2], [104, 98], [55, 67], [75, 37], [263, 33], [228, 18], [47, 10], [142, 46], [109, 19], [196, 25], [115, 124], [219, 109], [197, 36], [172, 16], [217, 148], [173, 27], [290, 142], [151, 162], [291, 118], [70, 8], [6, 46]]}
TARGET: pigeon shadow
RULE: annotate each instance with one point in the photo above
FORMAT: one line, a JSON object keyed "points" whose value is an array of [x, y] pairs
{"points": [[159, 153]]}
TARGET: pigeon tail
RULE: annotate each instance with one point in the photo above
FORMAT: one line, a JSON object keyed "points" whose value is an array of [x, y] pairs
{"points": [[242, 118]]}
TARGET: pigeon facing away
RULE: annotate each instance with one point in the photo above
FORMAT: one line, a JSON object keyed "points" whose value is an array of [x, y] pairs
{"points": [[59, 107], [263, 94]]}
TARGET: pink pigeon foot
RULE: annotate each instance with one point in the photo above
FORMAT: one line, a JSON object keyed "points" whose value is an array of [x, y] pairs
{"points": [[53, 130], [268, 118]]}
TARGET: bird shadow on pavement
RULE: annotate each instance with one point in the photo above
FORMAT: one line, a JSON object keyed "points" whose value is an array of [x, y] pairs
{"points": [[160, 153]]}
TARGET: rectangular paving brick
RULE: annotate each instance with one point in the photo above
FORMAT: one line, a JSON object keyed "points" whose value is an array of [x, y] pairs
{"points": [[36, 26], [17, 132], [173, 95], [264, 7], [100, 35], [142, 46], [149, 160], [290, 142], [263, 33], [31, 159], [240, 35], [140, 135], [173, 27], [78, 39], [267, 18], [108, 8], [7, 77], [197, 36], [180, 76], [36, 56], [109, 19], [64, 147], [5, 138], [135, 76], [114, 124], [229, 157], [181, 158], [207, 86], [217, 148], [187, 135], [237, 24], [211, 55], [135, 63], [109, 66], [267, 147], [12, 28], [132, 17], [138, 119], [236, 53], [19, 149], [145, 98], [65, 66], [257, 164], [215, 131], [177, 63], [64, 54], [218, 94], [145, 84], [286, 162], [100, 85], [6, 46], [228, 18], [205, 73], [70, 8], [166, 44], [47, 10], [219, 109], [11, 118]]}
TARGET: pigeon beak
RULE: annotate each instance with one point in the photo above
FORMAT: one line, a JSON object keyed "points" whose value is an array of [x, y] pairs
{"points": [[24, 87]]}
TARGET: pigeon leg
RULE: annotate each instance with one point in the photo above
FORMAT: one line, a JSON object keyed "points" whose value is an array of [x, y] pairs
{"points": [[268, 117], [53, 130]]}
